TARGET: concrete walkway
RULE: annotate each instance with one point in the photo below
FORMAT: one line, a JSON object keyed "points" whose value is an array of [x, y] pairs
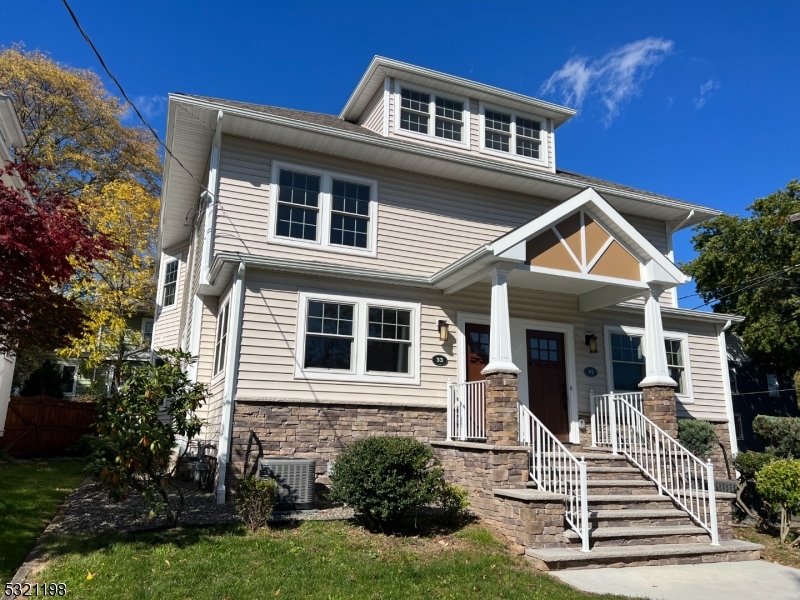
{"points": [[713, 581]]}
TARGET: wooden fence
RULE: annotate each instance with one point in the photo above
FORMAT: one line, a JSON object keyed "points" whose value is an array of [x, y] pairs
{"points": [[45, 426]]}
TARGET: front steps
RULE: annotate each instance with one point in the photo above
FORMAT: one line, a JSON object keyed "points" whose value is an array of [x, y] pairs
{"points": [[632, 525]]}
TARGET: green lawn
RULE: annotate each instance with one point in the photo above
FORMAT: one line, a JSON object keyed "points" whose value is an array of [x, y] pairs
{"points": [[30, 494], [324, 560]]}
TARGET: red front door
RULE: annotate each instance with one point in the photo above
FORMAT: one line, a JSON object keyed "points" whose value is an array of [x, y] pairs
{"points": [[547, 380], [477, 350]]}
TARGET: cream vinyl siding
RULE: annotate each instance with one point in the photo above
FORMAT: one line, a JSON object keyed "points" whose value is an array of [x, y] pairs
{"points": [[391, 105], [193, 276], [373, 116], [213, 413], [166, 328], [266, 368], [424, 224], [207, 333]]}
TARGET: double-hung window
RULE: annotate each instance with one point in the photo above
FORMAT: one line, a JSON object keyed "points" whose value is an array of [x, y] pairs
{"points": [[221, 342], [357, 339], [430, 114], [170, 285], [506, 133], [627, 360], [331, 211]]}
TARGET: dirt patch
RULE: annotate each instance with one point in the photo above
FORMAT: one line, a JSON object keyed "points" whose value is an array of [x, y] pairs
{"points": [[773, 550]]}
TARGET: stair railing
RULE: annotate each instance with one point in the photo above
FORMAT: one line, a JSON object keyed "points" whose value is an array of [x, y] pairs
{"points": [[677, 472], [602, 423], [555, 469]]}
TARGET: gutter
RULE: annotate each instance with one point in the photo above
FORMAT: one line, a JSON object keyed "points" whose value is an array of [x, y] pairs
{"points": [[679, 313]]}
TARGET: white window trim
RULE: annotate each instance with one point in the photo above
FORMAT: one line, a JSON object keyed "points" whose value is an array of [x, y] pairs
{"points": [[225, 305], [165, 259], [431, 135], [688, 396], [512, 153], [358, 372], [152, 329], [322, 242]]}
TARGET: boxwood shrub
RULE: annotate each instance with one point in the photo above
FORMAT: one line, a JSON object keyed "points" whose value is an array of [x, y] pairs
{"points": [[697, 436], [781, 434]]}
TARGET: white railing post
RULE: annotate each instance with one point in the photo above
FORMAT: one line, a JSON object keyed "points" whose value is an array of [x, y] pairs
{"points": [[449, 410], [593, 417], [712, 504], [584, 507], [461, 394], [657, 444], [612, 421]]}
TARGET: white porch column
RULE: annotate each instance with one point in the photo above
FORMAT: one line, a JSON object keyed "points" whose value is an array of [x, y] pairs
{"points": [[500, 332], [656, 370]]}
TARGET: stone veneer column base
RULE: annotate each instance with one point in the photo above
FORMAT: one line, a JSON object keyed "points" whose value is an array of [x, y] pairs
{"points": [[659, 405], [502, 427]]}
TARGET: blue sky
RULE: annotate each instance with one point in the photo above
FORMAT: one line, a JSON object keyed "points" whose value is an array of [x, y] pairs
{"points": [[696, 100]]}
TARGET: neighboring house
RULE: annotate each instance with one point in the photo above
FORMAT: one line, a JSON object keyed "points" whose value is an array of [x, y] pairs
{"points": [[78, 381], [10, 135], [757, 391], [416, 266]]}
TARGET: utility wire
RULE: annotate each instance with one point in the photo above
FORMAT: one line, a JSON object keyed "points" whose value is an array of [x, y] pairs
{"points": [[124, 95], [763, 280], [759, 278]]}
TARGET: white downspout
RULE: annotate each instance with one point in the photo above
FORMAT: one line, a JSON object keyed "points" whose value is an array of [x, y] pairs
{"points": [[211, 203], [231, 372], [726, 383]]}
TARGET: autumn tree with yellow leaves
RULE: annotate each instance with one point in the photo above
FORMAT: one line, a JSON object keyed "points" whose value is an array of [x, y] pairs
{"points": [[75, 133]]}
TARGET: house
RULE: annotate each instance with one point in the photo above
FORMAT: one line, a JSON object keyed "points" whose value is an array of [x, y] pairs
{"points": [[418, 265], [11, 134], [757, 391]]}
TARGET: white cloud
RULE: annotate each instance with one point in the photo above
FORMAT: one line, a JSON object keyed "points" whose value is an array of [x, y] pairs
{"points": [[149, 106], [705, 91], [615, 77]]}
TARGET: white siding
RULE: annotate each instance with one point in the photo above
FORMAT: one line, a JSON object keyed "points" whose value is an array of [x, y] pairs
{"points": [[373, 116], [270, 324], [166, 329]]}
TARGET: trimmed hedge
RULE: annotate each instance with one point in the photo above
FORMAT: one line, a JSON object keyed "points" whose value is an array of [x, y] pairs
{"points": [[384, 477], [750, 463], [781, 434], [699, 437]]}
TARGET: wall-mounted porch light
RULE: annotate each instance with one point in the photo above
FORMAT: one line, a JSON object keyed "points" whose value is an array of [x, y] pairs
{"points": [[591, 341], [443, 331]]}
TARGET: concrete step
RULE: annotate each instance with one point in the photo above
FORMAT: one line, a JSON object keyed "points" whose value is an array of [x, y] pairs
{"points": [[665, 517], [629, 501], [648, 535], [552, 559], [607, 469], [628, 487]]}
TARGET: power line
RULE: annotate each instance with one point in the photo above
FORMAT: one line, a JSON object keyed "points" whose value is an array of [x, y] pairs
{"points": [[760, 277], [758, 282], [124, 95]]}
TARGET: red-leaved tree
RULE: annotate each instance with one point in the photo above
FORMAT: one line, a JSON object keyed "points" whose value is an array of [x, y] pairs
{"points": [[44, 237]]}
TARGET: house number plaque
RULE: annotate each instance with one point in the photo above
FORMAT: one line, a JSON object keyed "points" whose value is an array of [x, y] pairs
{"points": [[590, 372], [439, 360]]}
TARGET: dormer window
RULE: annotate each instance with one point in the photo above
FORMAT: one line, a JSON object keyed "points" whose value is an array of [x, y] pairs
{"points": [[505, 133], [428, 114]]}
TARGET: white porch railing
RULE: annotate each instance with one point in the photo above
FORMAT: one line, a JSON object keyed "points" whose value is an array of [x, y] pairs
{"points": [[466, 410], [555, 469], [601, 419], [677, 472]]}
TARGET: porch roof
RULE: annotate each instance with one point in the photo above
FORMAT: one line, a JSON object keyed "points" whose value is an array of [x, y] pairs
{"points": [[596, 290]]}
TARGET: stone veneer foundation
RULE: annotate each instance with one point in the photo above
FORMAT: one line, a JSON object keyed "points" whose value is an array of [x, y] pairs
{"points": [[502, 427], [320, 430], [660, 406]]}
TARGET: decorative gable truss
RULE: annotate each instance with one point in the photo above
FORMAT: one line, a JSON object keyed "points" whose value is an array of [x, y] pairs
{"points": [[583, 247]]}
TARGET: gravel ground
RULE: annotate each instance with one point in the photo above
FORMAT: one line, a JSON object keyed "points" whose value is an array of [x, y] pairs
{"points": [[88, 510]]}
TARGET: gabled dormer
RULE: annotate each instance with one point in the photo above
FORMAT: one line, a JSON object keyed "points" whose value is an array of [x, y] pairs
{"points": [[407, 102]]}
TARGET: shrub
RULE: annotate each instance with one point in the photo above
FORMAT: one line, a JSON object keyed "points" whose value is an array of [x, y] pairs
{"points": [[255, 500], [4, 456], [750, 463], [699, 437], [383, 477], [779, 484], [453, 502], [781, 434]]}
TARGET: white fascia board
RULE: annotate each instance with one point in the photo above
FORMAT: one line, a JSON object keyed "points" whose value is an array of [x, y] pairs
{"points": [[381, 67], [661, 269], [680, 313], [172, 107]]}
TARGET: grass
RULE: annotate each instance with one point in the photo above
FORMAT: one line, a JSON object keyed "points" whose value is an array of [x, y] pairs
{"points": [[773, 550], [312, 560], [31, 494]]}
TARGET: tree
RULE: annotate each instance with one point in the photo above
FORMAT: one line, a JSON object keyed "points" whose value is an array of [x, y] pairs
{"points": [[73, 126], [44, 238], [114, 288], [748, 266], [137, 445]]}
